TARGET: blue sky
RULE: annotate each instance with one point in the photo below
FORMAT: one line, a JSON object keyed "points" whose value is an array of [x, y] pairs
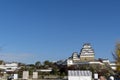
{"points": [[38, 30]]}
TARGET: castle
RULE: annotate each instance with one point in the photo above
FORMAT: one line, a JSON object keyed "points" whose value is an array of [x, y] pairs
{"points": [[87, 56]]}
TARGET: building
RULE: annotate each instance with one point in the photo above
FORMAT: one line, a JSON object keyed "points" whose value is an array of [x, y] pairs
{"points": [[79, 75], [87, 56], [87, 53], [113, 65], [9, 67], [44, 70]]}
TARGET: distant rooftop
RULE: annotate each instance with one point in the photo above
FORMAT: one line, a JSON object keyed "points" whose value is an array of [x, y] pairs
{"points": [[79, 73]]}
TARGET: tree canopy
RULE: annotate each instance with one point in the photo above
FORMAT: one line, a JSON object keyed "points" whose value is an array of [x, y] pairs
{"points": [[116, 56]]}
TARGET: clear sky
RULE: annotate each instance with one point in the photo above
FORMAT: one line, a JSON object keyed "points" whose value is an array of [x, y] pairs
{"points": [[38, 30]]}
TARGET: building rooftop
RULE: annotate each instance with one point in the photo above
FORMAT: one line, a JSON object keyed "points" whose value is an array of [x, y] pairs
{"points": [[79, 73]]}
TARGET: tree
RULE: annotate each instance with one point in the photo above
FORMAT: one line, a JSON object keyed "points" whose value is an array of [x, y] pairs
{"points": [[37, 64], [116, 56], [1, 62], [47, 62]]}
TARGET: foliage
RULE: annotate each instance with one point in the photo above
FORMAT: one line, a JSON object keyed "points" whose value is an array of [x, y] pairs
{"points": [[1, 62], [48, 63], [57, 70], [37, 64], [116, 56]]}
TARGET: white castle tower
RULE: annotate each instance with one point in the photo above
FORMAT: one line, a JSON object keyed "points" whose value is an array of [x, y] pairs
{"points": [[75, 56], [87, 53]]}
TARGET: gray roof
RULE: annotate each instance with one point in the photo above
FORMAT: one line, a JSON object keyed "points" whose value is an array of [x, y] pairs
{"points": [[79, 73]]}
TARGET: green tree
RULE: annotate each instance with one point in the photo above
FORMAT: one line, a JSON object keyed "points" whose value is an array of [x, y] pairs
{"points": [[116, 56], [38, 64], [1, 62], [47, 62]]}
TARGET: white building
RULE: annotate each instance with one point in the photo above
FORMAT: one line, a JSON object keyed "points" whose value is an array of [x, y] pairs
{"points": [[79, 75], [87, 53], [9, 67], [87, 56], [113, 65], [44, 70]]}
